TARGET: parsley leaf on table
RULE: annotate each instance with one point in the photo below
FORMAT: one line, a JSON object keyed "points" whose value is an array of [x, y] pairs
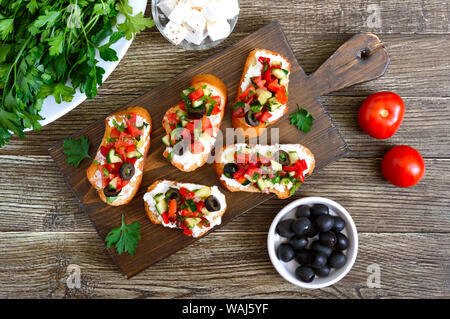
{"points": [[76, 150], [302, 119], [124, 238]]}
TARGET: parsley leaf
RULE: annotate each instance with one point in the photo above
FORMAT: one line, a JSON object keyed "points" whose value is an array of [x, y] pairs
{"points": [[76, 150], [124, 238], [302, 119], [132, 24]]}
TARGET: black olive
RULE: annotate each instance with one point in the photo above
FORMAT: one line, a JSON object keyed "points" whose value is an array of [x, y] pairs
{"points": [[328, 239], [126, 171], [305, 273], [173, 193], [229, 169], [319, 210], [196, 113], [319, 260], [251, 119], [285, 252], [341, 242], [339, 224], [303, 211], [324, 223], [180, 147], [109, 192], [298, 242], [282, 157], [301, 226], [312, 231], [212, 204], [323, 272], [319, 248], [304, 256], [284, 228], [337, 259]]}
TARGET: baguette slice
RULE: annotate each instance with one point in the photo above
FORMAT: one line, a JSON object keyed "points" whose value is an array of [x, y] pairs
{"points": [[189, 162], [161, 187], [226, 155], [95, 172], [251, 68]]}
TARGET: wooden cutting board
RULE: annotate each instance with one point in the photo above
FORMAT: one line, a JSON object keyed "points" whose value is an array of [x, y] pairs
{"points": [[360, 59]]}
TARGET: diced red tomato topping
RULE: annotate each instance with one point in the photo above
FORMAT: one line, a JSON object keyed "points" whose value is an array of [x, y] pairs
{"points": [[245, 96], [186, 193], [239, 112], [132, 160], [165, 218], [207, 126], [216, 110], [115, 133], [197, 147], [104, 150], [198, 93], [172, 119], [130, 120], [187, 232], [265, 116], [182, 106], [259, 82], [217, 99], [274, 86]]}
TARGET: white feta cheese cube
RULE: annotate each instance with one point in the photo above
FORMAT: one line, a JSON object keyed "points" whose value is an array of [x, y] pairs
{"points": [[175, 32], [178, 13], [229, 8], [167, 6], [212, 11], [195, 20], [196, 37], [218, 29]]}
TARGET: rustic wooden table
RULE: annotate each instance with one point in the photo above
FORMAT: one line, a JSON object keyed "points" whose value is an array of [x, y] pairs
{"points": [[404, 232]]}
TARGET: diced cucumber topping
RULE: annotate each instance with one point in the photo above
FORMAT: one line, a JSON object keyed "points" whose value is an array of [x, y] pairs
{"points": [[113, 183], [285, 181], [261, 184], [134, 154], [229, 157], [203, 192], [180, 113], [191, 222], [293, 157], [184, 123], [284, 82], [197, 103], [113, 157], [279, 73], [166, 140], [205, 211], [245, 183], [140, 143], [159, 197], [276, 166], [276, 63], [161, 206], [273, 104], [263, 96]]}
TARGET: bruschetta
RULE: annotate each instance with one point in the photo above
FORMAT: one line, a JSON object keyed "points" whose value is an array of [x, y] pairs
{"points": [[278, 168], [262, 92], [192, 124], [193, 208], [116, 171]]}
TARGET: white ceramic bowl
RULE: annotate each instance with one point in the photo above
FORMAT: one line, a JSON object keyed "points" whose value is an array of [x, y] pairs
{"points": [[287, 270]]}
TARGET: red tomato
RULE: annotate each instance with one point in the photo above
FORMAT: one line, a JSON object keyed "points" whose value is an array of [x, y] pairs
{"points": [[403, 166], [194, 96], [381, 114], [281, 95]]}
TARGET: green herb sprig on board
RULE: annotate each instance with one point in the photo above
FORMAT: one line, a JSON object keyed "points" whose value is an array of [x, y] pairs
{"points": [[49, 47], [125, 238]]}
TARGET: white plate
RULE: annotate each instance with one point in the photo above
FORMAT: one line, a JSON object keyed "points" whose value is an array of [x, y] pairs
{"points": [[51, 110]]}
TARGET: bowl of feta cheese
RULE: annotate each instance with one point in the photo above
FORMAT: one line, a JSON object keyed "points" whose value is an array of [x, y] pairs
{"points": [[195, 24]]}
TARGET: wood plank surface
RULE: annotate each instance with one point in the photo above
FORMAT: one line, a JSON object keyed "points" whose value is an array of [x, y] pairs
{"points": [[43, 229], [221, 265]]}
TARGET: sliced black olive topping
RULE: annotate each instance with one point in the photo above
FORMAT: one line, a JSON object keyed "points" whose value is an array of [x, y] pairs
{"points": [[229, 169], [212, 204], [282, 157], [126, 171], [180, 148], [173, 193], [109, 192], [251, 119], [196, 113]]}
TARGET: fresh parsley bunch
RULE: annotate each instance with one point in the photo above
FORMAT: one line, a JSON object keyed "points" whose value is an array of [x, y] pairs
{"points": [[48, 48]]}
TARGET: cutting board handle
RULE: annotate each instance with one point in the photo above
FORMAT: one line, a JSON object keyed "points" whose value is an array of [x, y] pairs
{"points": [[360, 59]]}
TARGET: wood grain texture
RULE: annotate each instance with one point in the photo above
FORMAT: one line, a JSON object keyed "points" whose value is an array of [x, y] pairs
{"points": [[34, 197], [219, 266], [345, 67]]}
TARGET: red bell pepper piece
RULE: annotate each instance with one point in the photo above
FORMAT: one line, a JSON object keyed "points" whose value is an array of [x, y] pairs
{"points": [[263, 60], [132, 160], [281, 95], [194, 96], [182, 106], [105, 150], [187, 232], [172, 208], [115, 133], [165, 218]]}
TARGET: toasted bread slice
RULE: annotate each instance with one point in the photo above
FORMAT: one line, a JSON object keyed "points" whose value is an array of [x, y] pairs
{"points": [[189, 162], [250, 69], [226, 155], [95, 172], [162, 186]]}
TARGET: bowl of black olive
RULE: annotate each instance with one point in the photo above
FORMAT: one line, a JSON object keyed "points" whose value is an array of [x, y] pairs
{"points": [[313, 242]]}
